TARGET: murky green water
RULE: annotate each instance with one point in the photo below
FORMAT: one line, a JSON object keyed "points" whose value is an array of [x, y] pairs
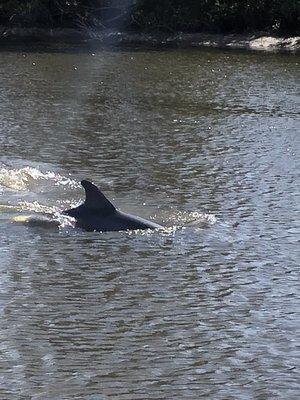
{"points": [[204, 142]]}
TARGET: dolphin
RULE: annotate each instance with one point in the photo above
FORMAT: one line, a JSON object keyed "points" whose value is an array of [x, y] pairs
{"points": [[97, 213]]}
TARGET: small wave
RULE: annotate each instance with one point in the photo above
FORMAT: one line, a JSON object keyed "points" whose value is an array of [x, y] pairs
{"points": [[21, 179], [25, 206], [36, 207], [183, 218]]}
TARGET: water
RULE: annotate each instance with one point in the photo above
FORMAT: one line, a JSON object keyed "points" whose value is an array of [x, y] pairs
{"points": [[204, 142]]}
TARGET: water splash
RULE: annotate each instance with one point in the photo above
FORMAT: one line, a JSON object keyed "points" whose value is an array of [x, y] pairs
{"points": [[33, 183], [21, 179], [194, 218], [37, 207]]}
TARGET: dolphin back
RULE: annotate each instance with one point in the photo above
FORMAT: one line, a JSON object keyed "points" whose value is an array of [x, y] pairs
{"points": [[97, 213]]}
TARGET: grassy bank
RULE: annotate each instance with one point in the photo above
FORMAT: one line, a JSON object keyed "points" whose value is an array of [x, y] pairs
{"points": [[218, 16]]}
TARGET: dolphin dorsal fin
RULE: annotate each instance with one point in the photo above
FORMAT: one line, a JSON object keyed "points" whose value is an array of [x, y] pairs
{"points": [[96, 200]]}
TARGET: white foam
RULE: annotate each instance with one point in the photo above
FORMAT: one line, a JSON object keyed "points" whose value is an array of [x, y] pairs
{"points": [[21, 179]]}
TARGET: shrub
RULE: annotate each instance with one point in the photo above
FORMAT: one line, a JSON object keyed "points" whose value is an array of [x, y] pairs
{"points": [[157, 15]]}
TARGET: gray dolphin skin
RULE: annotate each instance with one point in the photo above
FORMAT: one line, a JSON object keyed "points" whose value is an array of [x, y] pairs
{"points": [[97, 213]]}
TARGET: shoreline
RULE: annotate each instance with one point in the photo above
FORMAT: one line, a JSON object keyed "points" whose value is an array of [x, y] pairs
{"points": [[253, 42]]}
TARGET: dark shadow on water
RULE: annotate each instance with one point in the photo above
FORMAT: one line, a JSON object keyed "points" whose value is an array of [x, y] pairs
{"points": [[86, 46]]}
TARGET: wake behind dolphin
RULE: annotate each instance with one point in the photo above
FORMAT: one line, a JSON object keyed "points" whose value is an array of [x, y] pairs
{"points": [[97, 213]]}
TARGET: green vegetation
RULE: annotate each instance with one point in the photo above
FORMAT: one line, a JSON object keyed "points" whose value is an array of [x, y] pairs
{"points": [[221, 16]]}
